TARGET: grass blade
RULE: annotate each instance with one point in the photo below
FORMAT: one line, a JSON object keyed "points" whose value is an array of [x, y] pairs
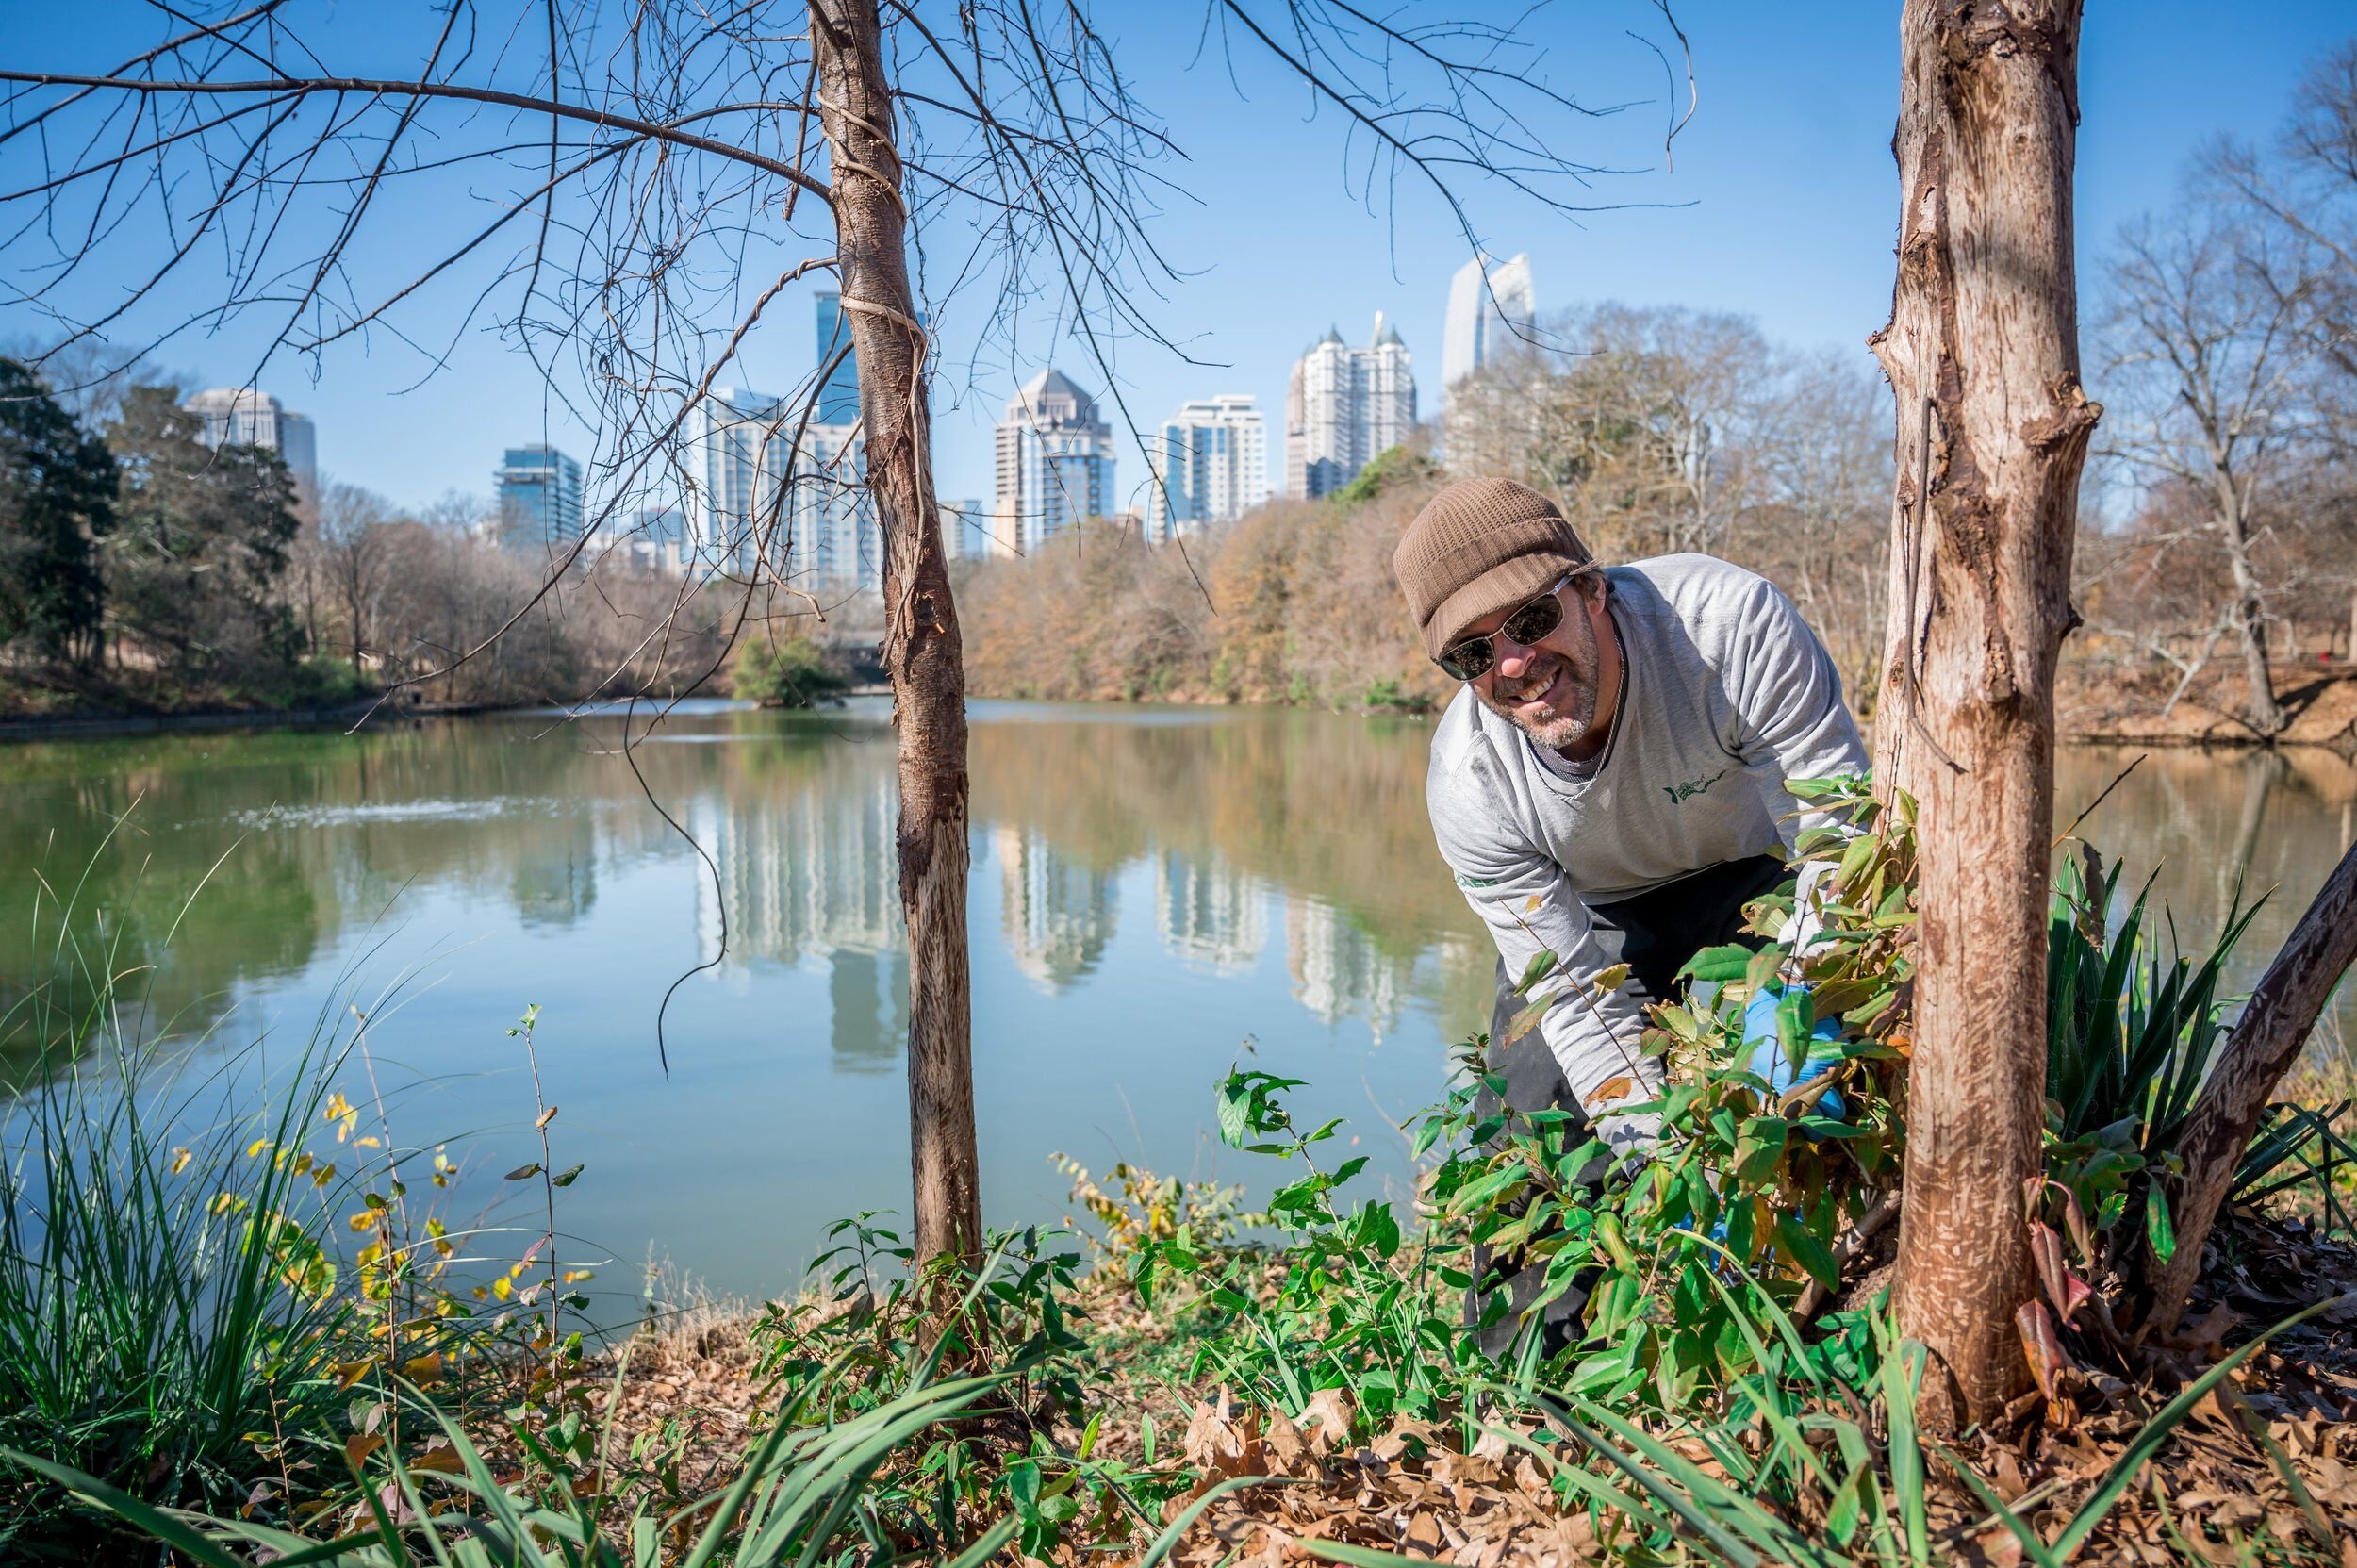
{"points": [[2147, 1442]]}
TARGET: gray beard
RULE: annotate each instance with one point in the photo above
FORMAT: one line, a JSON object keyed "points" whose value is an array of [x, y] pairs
{"points": [[1569, 726]]}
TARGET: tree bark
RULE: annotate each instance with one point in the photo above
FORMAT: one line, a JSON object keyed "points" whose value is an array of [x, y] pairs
{"points": [[922, 651], [2261, 1048], [1983, 355]]}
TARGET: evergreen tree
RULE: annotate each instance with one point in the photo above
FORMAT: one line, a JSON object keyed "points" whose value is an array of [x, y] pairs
{"points": [[200, 543], [56, 497]]}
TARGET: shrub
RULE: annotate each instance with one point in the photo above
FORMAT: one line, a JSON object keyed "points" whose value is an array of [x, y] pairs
{"points": [[792, 675]]}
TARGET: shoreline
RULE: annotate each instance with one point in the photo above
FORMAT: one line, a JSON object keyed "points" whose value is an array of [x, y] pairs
{"points": [[71, 726], [2196, 730]]}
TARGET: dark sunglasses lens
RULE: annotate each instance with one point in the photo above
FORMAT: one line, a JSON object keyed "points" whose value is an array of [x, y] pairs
{"points": [[1535, 621], [1466, 660]]}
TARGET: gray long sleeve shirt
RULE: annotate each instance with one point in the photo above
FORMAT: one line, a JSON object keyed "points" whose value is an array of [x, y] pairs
{"points": [[1728, 695]]}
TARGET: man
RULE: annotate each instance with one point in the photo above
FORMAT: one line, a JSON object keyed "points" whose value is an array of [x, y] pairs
{"points": [[1612, 782]]}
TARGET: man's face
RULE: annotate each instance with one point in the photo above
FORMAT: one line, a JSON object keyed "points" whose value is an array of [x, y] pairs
{"points": [[1548, 690]]}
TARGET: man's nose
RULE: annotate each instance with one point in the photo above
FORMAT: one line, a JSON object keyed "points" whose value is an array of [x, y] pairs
{"points": [[1513, 657]]}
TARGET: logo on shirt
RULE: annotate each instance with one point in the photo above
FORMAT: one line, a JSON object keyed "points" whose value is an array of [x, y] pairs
{"points": [[1679, 794]]}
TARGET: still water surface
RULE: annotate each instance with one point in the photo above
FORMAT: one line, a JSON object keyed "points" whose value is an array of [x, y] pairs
{"points": [[1154, 891]]}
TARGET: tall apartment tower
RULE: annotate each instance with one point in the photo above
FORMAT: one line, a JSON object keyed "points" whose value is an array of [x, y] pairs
{"points": [[838, 386], [1343, 407], [1211, 465], [241, 415], [1055, 461], [538, 489], [755, 498], [1490, 311]]}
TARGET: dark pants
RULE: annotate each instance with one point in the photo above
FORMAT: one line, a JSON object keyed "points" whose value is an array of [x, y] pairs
{"points": [[1654, 933]]}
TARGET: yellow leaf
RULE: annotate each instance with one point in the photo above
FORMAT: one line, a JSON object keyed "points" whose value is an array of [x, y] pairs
{"points": [[424, 1370], [1612, 979], [545, 1116], [501, 1288], [257, 1146], [360, 1445], [575, 1276], [349, 1373], [364, 1220], [180, 1158], [1531, 904]]}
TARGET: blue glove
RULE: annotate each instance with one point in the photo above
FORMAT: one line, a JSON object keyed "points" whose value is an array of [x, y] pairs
{"points": [[1769, 1059]]}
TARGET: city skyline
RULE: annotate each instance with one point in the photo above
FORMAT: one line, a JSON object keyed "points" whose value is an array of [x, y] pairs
{"points": [[1791, 136]]}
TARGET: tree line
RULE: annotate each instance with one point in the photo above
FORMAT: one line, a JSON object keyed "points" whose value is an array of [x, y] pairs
{"points": [[2217, 559], [140, 568]]}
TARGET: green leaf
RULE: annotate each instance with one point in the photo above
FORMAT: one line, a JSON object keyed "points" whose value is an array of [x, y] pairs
{"points": [[1718, 964], [1806, 1251], [524, 1172], [566, 1179], [2157, 1229]]}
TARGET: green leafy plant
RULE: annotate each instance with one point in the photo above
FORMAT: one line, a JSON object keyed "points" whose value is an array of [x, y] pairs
{"points": [[872, 1331], [792, 675]]}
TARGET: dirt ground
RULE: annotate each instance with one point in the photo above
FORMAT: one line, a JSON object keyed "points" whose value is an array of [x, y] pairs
{"points": [[2265, 1470]]}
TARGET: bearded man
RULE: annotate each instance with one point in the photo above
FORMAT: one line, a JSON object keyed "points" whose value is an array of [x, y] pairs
{"points": [[1611, 786]]}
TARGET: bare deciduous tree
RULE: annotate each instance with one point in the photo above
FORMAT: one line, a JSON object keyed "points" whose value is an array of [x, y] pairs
{"points": [[2205, 369]]}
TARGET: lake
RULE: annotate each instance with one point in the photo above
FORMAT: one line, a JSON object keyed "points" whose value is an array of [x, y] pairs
{"points": [[1156, 892]]}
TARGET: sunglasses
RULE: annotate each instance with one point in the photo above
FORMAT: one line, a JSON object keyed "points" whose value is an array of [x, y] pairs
{"points": [[1470, 658]]}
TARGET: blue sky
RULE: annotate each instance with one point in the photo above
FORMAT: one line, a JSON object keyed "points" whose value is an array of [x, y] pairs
{"points": [[1781, 204]]}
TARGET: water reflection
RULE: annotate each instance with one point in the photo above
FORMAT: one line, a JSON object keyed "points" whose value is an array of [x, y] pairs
{"points": [[1151, 888]]}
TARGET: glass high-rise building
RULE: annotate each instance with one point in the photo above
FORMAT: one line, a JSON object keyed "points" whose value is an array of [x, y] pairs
{"points": [[241, 415], [758, 501], [838, 388], [1211, 465], [1490, 312], [1055, 463], [538, 491]]}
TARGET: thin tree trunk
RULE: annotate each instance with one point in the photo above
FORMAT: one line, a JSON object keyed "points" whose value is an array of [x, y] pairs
{"points": [[2265, 1042], [922, 652], [2265, 714], [1983, 355]]}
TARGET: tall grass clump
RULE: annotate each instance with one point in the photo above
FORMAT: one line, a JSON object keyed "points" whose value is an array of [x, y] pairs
{"points": [[169, 1319]]}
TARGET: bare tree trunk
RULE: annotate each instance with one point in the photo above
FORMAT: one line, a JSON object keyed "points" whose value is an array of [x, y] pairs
{"points": [[1983, 355], [922, 651], [2266, 1042], [2233, 529]]}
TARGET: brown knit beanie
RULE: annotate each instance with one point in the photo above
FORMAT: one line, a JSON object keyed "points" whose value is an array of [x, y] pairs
{"points": [[1481, 546]]}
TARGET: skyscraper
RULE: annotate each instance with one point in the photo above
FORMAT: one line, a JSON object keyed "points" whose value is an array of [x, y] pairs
{"points": [[241, 416], [1055, 461], [538, 489], [755, 496], [838, 388], [1211, 465], [1490, 310], [1343, 407]]}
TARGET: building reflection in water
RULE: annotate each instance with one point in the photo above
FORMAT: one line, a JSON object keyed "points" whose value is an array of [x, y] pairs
{"points": [[1059, 916], [809, 874], [1337, 969], [1211, 915], [806, 874]]}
